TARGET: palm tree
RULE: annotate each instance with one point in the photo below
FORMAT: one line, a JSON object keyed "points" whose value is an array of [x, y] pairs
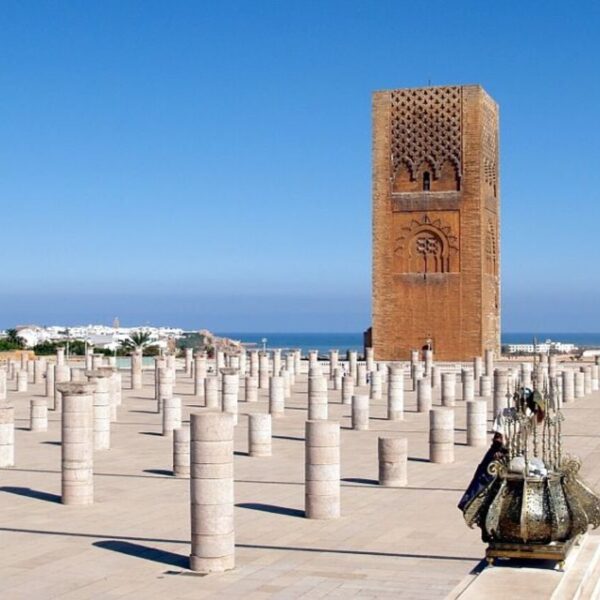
{"points": [[138, 340]]}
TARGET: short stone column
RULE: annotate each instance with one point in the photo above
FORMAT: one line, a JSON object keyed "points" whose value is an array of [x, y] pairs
{"points": [[77, 443], [476, 423], [417, 371], [251, 389], [39, 371], [489, 363], [353, 363], [38, 415], [3, 385], [414, 358], [166, 383], [188, 361], [219, 361], [334, 357], [595, 374], [322, 471], [290, 366], [231, 387], [29, 367], [199, 374], [392, 453], [100, 379], [568, 385], [62, 374], [171, 415], [485, 386], [423, 395], [347, 388], [477, 368], [337, 375], [370, 359], [395, 395], [361, 375], [383, 369], [78, 375], [89, 365], [60, 356], [526, 375], [276, 361], [441, 435], [579, 384], [468, 385], [7, 435], [376, 386], [263, 370], [587, 379], [360, 412], [317, 398], [500, 390], [428, 362], [211, 487], [50, 371], [211, 392], [436, 377], [136, 370], [259, 434], [254, 364], [181, 452], [552, 365], [97, 361], [313, 358], [276, 397], [448, 389], [297, 361], [22, 380]]}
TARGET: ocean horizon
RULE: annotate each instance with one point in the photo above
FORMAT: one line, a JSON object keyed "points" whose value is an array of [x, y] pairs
{"points": [[323, 342]]}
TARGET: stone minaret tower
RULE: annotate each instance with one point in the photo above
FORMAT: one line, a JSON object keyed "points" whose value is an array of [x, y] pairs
{"points": [[436, 195]]}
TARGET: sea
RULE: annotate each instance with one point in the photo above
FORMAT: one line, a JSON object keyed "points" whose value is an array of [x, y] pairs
{"points": [[323, 342]]}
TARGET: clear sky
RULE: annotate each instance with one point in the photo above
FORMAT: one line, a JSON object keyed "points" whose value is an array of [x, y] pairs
{"points": [[207, 164]]}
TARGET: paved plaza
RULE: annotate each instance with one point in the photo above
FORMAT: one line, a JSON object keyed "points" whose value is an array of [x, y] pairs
{"points": [[134, 541]]}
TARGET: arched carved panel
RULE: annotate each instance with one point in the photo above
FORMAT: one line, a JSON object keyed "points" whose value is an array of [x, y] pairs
{"points": [[427, 244], [489, 146]]}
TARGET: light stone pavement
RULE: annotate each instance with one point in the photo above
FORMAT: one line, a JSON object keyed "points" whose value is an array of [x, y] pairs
{"points": [[134, 541]]}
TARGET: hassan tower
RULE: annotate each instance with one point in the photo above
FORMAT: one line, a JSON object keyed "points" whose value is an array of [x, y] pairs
{"points": [[436, 206]]}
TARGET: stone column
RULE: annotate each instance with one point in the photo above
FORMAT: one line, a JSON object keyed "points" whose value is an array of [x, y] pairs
{"points": [[199, 374], [579, 384], [276, 397], [322, 474], [78, 375], [22, 380], [287, 383], [97, 361], [166, 382], [39, 370], [60, 356], [485, 386], [101, 391], [423, 395], [414, 358], [263, 370], [448, 389], [317, 398], [276, 361], [251, 389], [552, 365], [383, 369], [393, 461], [376, 386], [62, 374], [436, 377], [38, 415], [369, 359], [418, 372], [313, 358], [361, 375], [334, 356], [337, 378], [353, 364], [297, 361], [211, 392], [211, 486], [112, 361], [219, 361], [395, 407], [171, 415], [477, 368], [231, 387], [254, 364], [77, 443], [477, 423], [441, 435], [160, 362], [428, 362], [136, 370], [526, 375], [3, 386], [347, 388], [50, 370], [568, 385], [29, 369], [290, 366], [587, 379], [360, 412], [500, 390], [468, 385], [595, 373], [259, 434], [189, 356], [7, 435], [89, 365], [489, 363], [181, 452]]}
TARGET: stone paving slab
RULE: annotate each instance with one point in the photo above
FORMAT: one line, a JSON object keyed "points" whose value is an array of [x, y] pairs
{"points": [[134, 541]]}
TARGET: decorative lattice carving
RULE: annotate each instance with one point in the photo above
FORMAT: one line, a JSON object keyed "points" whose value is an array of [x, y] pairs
{"points": [[427, 127], [490, 143], [426, 245], [491, 249]]}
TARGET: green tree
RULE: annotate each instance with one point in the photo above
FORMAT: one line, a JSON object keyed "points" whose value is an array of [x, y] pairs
{"points": [[138, 340]]}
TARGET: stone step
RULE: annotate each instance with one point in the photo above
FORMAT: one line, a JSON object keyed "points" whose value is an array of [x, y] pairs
{"points": [[581, 580]]}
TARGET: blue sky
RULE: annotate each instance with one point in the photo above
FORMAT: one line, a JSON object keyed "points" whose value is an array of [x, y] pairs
{"points": [[207, 164]]}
